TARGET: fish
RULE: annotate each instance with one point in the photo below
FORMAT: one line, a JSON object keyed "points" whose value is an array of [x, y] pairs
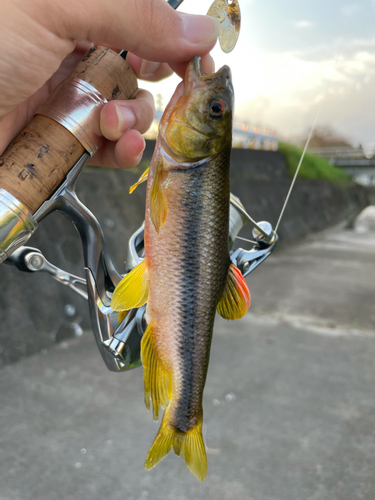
{"points": [[186, 274]]}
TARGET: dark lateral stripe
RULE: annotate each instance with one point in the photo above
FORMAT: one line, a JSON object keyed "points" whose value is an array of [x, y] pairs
{"points": [[204, 209], [192, 206]]}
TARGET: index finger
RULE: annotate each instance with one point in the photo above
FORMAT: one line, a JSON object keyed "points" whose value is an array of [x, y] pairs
{"points": [[152, 29]]}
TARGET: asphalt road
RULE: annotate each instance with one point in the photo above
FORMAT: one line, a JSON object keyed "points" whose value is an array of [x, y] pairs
{"points": [[289, 403]]}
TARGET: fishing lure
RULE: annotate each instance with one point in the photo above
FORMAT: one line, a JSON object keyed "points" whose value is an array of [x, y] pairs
{"points": [[229, 15]]}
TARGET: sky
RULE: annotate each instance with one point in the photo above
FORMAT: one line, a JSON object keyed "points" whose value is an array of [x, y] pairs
{"points": [[295, 56]]}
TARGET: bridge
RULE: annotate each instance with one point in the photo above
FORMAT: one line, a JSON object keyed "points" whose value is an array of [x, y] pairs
{"points": [[355, 162]]}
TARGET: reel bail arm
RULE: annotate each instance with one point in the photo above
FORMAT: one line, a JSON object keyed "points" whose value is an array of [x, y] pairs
{"points": [[265, 238]]}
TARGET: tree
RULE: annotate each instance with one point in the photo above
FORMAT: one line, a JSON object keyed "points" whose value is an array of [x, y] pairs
{"points": [[326, 137]]}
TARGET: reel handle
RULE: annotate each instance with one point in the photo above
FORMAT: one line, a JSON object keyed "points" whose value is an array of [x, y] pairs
{"points": [[38, 160]]}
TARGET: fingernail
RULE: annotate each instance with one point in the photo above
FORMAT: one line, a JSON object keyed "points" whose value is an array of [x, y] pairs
{"points": [[126, 118], [207, 65], [148, 68], [200, 29], [139, 157]]}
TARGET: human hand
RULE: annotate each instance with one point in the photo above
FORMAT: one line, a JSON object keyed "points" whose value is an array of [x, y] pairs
{"points": [[43, 40]]}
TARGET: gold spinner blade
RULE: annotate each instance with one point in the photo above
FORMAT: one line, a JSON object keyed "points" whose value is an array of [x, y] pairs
{"points": [[229, 15]]}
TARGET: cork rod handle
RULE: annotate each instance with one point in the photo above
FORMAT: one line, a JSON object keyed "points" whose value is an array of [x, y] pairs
{"points": [[39, 158]]}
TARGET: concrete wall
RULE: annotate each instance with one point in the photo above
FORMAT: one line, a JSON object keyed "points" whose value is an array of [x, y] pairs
{"points": [[36, 311]]}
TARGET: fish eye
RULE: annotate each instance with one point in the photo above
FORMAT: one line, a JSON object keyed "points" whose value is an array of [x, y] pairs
{"points": [[217, 108]]}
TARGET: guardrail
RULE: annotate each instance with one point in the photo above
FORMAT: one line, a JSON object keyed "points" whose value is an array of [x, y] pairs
{"points": [[342, 152]]}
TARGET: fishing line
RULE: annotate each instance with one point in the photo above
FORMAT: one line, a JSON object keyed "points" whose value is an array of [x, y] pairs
{"points": [[329, 81], [245, 239]]}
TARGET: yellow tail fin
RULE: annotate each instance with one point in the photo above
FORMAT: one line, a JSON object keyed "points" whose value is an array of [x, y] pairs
{"points": [[188, 446], [132, 291]]}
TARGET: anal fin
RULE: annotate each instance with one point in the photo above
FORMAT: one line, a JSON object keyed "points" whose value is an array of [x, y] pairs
{"points": [[236, 297], [132, 291], [157, 378]]}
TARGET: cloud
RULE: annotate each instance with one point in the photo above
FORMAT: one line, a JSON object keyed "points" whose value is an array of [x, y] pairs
{"points": [[304, 24], [345, 48], [349, 10], [289, 91]]}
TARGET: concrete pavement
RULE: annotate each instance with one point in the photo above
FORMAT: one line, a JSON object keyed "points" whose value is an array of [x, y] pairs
{"points": [[289, 403]]}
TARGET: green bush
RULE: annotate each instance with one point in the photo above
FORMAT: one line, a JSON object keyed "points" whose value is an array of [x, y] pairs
{"points": [[313, 167]]}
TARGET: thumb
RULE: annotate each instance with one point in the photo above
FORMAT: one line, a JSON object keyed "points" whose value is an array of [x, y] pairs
{"points": [[151, 29]]}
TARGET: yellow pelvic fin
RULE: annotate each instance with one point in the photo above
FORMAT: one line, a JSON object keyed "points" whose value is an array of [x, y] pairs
{"points": [[132, 291], [157, 379], [142, 178], [158, 200], [188, 446], [236, 297]]}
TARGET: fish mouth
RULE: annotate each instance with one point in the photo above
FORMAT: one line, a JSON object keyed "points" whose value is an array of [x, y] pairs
{"points": [[195, 75]]}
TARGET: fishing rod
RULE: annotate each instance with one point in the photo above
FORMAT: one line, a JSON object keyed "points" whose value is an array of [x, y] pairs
{"points": [[40, 169]]}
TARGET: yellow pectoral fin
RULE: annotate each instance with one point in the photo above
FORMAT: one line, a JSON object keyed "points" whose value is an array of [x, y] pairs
{"points": [[157, 379], [158, 200], [236, 297], [132, 291], [142, 178]]}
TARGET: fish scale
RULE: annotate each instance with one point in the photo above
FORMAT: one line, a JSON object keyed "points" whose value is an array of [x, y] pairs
{"points": [[201, 228]]}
